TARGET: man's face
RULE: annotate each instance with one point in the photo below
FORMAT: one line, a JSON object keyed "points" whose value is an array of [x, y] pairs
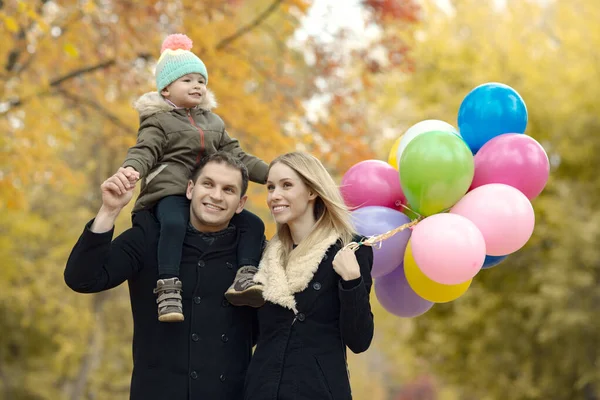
{"points": [[215, 197]]}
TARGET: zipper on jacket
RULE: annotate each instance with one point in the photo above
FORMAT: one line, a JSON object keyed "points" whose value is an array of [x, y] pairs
{"points": [[189, 114]]}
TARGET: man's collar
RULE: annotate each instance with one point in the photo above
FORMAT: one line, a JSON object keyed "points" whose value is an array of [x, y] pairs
{"points": [[210, 238]]}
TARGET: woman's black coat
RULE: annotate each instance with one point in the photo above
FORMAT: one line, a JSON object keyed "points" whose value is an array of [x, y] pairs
{"points": [[310, 317]]}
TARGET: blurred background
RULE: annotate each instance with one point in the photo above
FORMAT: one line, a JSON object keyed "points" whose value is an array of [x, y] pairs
{"points": [[342, 80]]}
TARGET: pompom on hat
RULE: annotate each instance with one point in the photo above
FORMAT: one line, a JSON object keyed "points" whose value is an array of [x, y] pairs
{"points": [[176, 60]]}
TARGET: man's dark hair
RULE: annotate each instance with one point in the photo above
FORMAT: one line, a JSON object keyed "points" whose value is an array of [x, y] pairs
{"points": [[221, 157]]}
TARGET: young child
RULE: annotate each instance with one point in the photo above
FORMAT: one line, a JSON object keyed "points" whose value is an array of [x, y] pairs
{"points": [[177, 128]]}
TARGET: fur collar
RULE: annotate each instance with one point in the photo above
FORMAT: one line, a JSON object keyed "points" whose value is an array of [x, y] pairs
{"points": [[280, 283], [152, 103]]}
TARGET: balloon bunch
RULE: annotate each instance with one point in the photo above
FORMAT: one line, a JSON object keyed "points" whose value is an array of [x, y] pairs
{"points": [[448, 203]]}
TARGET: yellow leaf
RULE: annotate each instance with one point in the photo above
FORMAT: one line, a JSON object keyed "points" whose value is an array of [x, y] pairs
{"points": [[71, 50], [89, 7], [42, 25], [22, 7], [11, 24]]}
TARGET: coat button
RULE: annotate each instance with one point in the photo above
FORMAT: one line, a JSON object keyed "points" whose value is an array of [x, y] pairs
{"points": [[197, 299], [201, 263], [222, 378], [224, 338], [194, 375], [300, 317], [195, 337], [317, 286], [225, 303], [229, 265]]}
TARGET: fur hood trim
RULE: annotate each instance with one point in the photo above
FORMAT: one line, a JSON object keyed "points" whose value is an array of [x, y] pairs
{"points": [[152, 103], [281, 283]]}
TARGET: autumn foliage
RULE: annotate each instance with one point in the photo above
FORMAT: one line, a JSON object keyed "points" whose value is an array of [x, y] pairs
{"points": [[70, 70]]}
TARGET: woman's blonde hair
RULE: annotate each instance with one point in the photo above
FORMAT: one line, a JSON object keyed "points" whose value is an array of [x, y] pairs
{"points": [[331, 214]]}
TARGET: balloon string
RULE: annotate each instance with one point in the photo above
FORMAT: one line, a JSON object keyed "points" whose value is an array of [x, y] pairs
{"points": [[377, 239], [411, 210]]}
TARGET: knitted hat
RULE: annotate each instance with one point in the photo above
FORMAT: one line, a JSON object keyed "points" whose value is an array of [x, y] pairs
{"points": [[176, 60]]}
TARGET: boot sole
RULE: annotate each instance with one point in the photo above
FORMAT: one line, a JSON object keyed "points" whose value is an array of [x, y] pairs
{"points": [[250, 297], [171, 317]]}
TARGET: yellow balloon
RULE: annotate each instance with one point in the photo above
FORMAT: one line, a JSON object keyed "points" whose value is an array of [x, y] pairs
{"points": [[393, 156], [425, 287]]}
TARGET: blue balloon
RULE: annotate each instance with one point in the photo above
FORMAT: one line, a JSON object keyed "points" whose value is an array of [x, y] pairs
{"points": [[490, 110], [492, 261]]}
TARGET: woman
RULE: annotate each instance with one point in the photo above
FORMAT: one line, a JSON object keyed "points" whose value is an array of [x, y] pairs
{"points": [[317, 294]]}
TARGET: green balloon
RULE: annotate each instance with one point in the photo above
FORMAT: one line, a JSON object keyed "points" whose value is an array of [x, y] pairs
{"points": [[436, 170]]}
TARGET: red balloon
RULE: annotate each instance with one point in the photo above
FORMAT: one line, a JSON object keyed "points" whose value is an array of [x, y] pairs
{"points": [[372, 183], [514, 159]]}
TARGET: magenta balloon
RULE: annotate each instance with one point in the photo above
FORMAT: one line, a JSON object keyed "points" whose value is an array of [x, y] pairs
{"points": [[397, 297], [513, 159], [372, 183], [375, 220]]}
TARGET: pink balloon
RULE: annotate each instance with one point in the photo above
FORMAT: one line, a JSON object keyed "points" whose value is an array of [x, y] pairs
{"points": [[514, 159], [372, 183], [502, 213], [448, 248]]}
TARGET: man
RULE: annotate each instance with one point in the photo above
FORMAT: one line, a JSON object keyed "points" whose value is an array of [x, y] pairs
{"points": [[205, 356]]}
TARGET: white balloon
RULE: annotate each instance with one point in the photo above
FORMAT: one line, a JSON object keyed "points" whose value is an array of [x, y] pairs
{"points": [[419, 128]]}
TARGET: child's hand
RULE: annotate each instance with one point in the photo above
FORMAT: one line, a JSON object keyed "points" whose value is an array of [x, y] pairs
{"points": [[117, 191], [132, 175]]}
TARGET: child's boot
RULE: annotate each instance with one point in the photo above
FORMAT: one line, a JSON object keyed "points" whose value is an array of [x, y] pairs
{"points": [[244, 291], [170, 308]]}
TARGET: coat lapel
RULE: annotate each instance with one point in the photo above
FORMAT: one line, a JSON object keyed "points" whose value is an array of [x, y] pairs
{"points": [[280, 283]]}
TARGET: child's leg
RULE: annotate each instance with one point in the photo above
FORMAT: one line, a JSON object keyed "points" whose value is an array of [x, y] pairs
{"points": [[173, 213], [244, 291], [252, 232]]}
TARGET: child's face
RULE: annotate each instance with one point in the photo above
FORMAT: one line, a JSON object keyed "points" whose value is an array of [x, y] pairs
{"points": [[187, 91]]}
